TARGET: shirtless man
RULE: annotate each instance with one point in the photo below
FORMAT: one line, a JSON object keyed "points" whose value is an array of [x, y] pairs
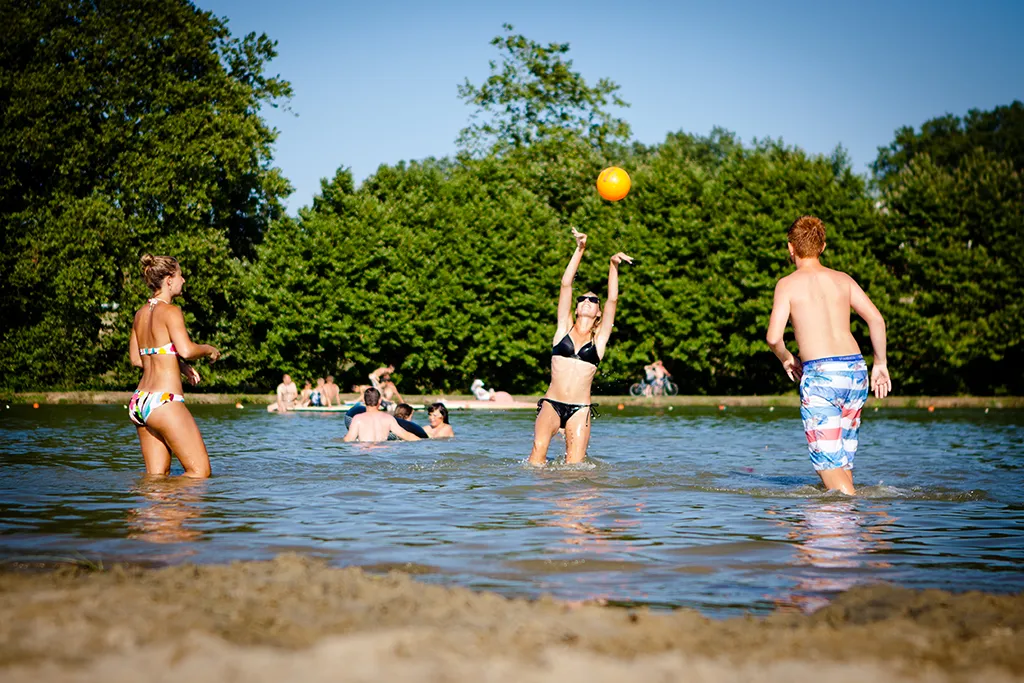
{"points": [[287, 393], [381, 380], [833, 377], [330, 392], [375, 424]]}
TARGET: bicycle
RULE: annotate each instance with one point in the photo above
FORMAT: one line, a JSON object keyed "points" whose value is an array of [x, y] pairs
{"points": [[662, 387]]}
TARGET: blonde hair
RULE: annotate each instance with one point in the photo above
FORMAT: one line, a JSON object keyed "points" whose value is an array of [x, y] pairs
{"points": [[807, 235], [156, 268]]}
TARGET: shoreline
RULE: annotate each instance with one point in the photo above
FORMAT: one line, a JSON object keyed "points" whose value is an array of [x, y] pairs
{"points": [[296, 618], [606, 402]]}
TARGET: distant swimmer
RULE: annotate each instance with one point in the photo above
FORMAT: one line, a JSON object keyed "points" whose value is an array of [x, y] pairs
{"points": [[439, 427], [287, 396], [577, 348], [160, 345], [375, 424], [330, 393], [833, 376]]}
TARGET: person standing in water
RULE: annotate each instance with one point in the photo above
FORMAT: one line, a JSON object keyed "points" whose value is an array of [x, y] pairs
{"points": [[374, 424], [578, 347], [833, 376], [160, 345]]}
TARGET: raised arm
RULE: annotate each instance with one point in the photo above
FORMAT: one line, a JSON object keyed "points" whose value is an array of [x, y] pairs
{"points": [[565, 291], [881, 384], [182, 343], [777, 330], [610, 303]]}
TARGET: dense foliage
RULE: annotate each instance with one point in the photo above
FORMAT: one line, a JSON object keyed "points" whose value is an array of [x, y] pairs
{"points": [[151, 140], [125, 127]]}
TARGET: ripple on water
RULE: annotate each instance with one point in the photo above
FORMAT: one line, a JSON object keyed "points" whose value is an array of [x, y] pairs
{"points": [[691, 508]]}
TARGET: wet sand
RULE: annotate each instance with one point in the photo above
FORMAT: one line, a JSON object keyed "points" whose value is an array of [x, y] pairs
{"points": [[298, 619]]}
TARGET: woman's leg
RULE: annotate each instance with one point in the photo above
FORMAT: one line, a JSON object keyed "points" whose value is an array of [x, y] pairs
{"points": [[155, 452], [577, 436], [543, 429], [176, 426]]}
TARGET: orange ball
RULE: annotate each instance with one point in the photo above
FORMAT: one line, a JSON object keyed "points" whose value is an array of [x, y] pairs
{"points": [[35, 405], [613, 183]]}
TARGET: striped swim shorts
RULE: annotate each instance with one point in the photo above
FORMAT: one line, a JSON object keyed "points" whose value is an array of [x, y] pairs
{"points": [[832, 393]]}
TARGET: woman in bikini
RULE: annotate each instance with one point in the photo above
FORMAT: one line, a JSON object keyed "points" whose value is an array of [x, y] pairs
{"points": [[578, 347], [160, 345]]}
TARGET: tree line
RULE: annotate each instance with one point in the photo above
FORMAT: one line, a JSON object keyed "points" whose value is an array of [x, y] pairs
{"points": [[128, 127]]}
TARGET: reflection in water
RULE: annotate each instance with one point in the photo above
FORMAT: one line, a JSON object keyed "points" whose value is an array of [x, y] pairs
{"points": [[593, 528], [170, 506], [833, 542]]}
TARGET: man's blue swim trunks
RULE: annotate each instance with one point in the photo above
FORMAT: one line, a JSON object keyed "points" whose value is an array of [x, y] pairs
{"points": [[833, 391]]}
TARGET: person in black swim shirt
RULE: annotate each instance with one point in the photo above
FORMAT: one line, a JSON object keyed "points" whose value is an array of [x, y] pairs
{"points": [[577, 349]]}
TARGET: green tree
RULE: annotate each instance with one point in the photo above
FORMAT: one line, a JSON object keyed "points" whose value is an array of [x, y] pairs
{"points": [[125, 127], [949, 139], [954, 240], [534, 94]]}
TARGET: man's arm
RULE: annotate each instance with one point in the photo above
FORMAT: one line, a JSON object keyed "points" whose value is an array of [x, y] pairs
{"points": [[881, 384], [777, 330], [397, 430], [353, 430]]}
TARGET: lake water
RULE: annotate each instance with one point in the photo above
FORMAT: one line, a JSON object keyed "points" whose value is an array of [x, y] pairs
{"points": [[696, 507]]}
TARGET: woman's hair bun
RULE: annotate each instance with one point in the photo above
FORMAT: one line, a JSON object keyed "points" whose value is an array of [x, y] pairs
{"points": [[147, 260]]}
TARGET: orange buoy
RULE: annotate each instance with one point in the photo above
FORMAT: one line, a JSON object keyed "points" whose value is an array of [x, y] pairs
{"points": [[613, 183], [931, 409], [35, 405], [721, 407], [621, 406]]}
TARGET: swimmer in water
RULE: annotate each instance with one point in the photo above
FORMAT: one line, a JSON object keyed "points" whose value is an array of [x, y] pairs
{"points": [[375, 424], [439, 427], [833, 376], [160, 345], [577, 348]]}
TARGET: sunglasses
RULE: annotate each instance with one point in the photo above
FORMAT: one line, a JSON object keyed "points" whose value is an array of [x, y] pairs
{"points": [[581, 299]]}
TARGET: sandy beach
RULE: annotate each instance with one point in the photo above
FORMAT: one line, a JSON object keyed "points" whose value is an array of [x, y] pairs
{"points": [[295, 618]]}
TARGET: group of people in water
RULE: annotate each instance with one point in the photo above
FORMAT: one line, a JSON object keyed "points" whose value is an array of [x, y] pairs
{"points": [[833, 377]]}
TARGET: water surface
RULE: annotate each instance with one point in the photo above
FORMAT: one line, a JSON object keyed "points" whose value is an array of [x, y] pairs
{"points": [[717, 510]]}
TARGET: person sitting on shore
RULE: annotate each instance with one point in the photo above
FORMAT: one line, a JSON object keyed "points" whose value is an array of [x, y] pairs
{"points": [[439, 427], [374, 424], [330, 393], [316, 398], [307, 390], [381, 381], [483, 394], [287, 396]]}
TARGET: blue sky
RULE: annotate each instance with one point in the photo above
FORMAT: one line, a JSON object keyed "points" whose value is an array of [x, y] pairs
{"points": [[375, 82]]}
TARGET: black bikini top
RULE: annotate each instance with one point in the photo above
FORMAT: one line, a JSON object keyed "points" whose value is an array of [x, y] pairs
{"points": [[566, 349]]}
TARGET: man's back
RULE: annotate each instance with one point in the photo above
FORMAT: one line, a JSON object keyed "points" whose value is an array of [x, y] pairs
{"points": [[819, 310], [373, 425]]}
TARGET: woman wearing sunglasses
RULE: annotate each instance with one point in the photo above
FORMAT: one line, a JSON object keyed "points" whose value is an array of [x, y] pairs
{"points": [[577, 348]]}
